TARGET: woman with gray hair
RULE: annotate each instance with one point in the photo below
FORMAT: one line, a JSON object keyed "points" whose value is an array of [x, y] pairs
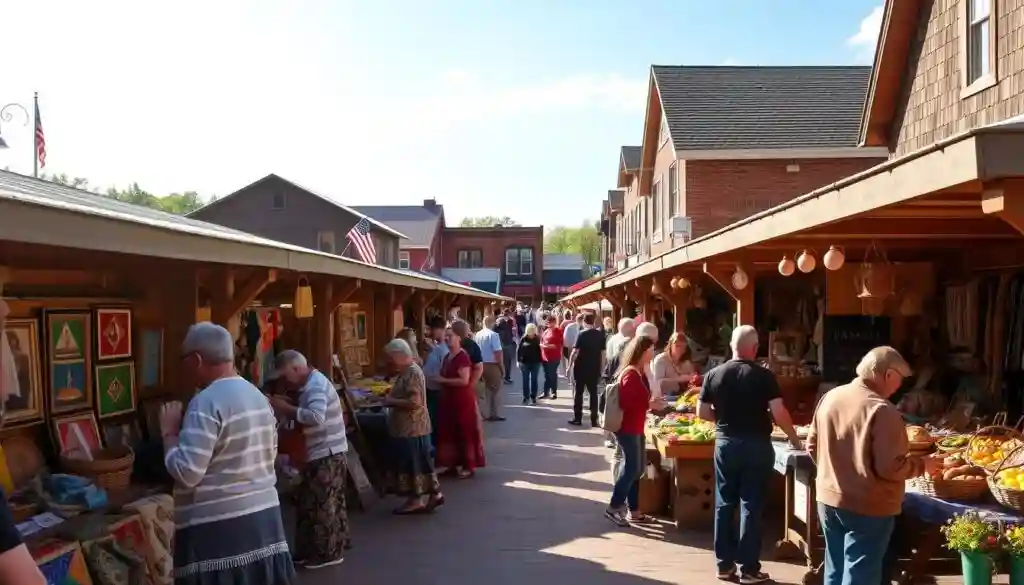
{"points": [[409, 426], [228, 526]]}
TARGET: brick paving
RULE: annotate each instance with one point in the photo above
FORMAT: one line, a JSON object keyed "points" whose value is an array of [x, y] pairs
{"points": [[534, 515]]}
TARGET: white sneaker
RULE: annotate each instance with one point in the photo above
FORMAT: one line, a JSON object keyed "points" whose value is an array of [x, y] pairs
{"points": [[314, 566]]}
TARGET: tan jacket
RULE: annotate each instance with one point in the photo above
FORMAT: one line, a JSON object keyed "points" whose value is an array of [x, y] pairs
{"points": [[859, 443]]}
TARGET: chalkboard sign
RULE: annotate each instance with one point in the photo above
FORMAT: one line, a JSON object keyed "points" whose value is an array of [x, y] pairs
{"points": [[845, 341]]}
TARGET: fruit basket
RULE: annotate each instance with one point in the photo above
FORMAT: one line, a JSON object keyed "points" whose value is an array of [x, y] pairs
{"points": [[1007, 483], [990, 445], [958, 480], [952, 443]]}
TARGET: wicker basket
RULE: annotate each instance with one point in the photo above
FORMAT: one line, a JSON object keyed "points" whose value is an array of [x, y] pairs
{"points": [[967, 490], [1011, 498], [950, 450], [922, 446], [110, 468], [994, 431]]}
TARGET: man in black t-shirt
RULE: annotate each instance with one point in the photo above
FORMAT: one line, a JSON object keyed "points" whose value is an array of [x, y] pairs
{"points": [[586, 362], [742, 398], [503, 326]]}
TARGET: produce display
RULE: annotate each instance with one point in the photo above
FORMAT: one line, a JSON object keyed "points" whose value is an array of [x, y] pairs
{"points": [[957, 468], [918, 434], [688, 402], [989, 452], [683, 428], [1011, 479], [953, 442]]}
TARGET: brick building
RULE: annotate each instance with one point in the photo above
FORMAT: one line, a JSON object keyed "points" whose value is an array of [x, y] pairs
{"points": [[420, 249], [506, 260], [724, 143]]}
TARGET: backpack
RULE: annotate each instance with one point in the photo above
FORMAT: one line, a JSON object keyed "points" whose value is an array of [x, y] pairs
{"points": [[611, 418]]}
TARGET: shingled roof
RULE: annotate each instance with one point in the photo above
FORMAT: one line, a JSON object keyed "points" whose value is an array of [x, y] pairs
{"points": [[630, 157], [417, 222], [744, 108]]}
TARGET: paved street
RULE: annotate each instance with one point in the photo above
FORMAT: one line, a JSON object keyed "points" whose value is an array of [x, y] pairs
{"points": [[534, 515]]}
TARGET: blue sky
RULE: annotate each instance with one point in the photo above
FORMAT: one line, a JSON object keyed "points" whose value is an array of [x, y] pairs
{"points": [[497, 108]]}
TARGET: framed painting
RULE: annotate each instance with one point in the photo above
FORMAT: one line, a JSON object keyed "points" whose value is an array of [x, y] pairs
{"points": [[115, 389], [122, 434], [113, 334], [360, 321], [68, 358], [151, 356], [62, 563], [77, 434], [23, 391]]}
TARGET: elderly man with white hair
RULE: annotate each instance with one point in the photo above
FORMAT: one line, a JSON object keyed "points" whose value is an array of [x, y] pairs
{"points": [[859, 443], [742, 398], [228, 526], [321, 532]]}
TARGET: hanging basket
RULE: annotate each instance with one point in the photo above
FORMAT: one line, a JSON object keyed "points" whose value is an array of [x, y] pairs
{"points": [[303, 304], [1011, 496], [990, 446]]}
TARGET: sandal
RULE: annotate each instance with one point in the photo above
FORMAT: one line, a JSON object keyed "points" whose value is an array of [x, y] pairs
{"points": [[435, 503]]}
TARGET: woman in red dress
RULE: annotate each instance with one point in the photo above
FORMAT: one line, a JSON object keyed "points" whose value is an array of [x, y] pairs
{"points": [[460, 439]]}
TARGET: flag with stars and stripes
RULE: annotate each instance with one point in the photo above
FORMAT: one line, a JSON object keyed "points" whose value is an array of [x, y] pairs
{"points": [[40, 139], [360, 237]]}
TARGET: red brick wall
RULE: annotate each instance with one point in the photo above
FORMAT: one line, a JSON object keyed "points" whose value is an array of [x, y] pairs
{"points": [[717, 193], [492, 242], [417, 256]]}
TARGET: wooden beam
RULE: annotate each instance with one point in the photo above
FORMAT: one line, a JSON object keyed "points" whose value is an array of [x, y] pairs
{"points": [[230, 300], [323, 315], [1005, 200], [342, 293], [399, 297], [744, 298]]}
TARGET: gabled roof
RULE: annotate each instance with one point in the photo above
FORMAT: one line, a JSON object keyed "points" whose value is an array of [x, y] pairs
{"points": [[746, 108], [274, 176], [629, 158], [417, 222], [899, 27]]}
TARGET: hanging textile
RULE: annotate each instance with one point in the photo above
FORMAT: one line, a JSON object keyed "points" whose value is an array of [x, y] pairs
{"points": [[962, 315]]}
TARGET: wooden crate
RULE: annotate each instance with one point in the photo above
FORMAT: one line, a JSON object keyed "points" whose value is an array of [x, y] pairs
{"points": [[693, 496]]}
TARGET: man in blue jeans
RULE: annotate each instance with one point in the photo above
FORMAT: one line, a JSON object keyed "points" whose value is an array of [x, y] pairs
{"points": [[738, 396], [859, 444]]}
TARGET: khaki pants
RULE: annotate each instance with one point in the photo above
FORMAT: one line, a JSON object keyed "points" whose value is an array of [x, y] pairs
{"points": [[492, 390]]}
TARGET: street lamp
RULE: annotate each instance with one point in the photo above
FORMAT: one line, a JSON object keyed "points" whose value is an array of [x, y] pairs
{"points": [[7, 115]]}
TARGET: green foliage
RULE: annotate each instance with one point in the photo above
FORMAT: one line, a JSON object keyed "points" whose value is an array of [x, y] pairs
{"points": [[584, 240], [488, 221], [178, 203], [1013, 541], [968, 532]]}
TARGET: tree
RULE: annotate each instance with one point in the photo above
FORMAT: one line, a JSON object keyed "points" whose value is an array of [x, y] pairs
{"points": [[584, 240], [488, 221], [177, 203]]}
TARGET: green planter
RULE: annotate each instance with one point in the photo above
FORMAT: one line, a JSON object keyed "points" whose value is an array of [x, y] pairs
{"points": [[977, 568], [1016, 570]]}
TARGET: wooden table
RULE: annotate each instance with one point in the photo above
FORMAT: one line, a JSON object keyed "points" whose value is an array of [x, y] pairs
{"points": [[801, 535], [693, 481]]}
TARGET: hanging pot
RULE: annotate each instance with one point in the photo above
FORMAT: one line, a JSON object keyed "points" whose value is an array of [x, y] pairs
{"points": [[303, 304]]}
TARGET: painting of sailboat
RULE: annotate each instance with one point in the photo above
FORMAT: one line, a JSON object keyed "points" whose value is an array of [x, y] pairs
{"points": [[69, 360]]}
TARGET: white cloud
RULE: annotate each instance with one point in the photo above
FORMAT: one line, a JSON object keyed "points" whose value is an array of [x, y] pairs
{"points": [[866, 37]]}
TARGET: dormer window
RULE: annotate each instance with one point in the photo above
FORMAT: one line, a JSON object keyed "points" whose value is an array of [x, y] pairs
{"points": [[278, 201]]}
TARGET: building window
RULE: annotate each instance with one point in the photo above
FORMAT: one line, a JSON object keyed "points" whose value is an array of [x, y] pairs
{"points": [[325, 241], [656, 219], [979, 39], [673, 191], [403, 260], [278, 201], [471, 259], [519, 261], [663, 133]]}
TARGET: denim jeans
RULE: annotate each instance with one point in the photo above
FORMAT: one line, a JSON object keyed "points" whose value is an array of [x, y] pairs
{"points": [[530, 373], [855, 545], [550, 377], [588, 386], [508, 357], [743, 467], [627, 480]]}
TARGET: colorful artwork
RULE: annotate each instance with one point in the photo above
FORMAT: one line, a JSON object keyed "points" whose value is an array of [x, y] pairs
{"points": [[77, 435], [122, 434], [113, 334], [69, 357], [151, 357], [23, 392], [115, 389], [158, 520], [62, 563]]}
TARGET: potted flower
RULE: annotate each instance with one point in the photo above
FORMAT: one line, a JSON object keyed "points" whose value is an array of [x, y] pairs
{"points": [[1013, 544], [976, 540]]}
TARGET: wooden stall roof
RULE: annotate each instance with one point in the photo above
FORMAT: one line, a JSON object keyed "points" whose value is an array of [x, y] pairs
{"points": [[35, 211], [976, 156]]}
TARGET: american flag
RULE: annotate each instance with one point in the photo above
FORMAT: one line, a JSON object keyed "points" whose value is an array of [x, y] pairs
{"points": [[428, 264], [40, 139], [360, 237]]}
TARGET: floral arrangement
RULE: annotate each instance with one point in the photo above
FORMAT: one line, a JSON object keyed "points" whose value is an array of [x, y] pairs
{"points": [[1013, 540], [968, 532]]}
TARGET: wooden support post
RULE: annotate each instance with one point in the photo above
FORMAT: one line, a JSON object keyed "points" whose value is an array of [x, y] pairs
{"points": [[229, 299], [177, 295], [744, 298], [344, 292], [1005, 199], [323, 311]]}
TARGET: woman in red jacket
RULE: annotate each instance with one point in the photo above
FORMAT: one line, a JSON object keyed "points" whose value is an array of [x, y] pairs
{"points": [[634, 398]]}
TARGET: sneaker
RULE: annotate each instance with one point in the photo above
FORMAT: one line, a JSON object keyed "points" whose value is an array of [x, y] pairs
{"points": [[526, 400], [533, 402], [497, 418], [727, 575], [576, 423], [554, 396], [754, 578], [314, 566], [617, 517]]}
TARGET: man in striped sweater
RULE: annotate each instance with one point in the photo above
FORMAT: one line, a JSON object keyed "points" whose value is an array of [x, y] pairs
{"points": [[322, 528]]}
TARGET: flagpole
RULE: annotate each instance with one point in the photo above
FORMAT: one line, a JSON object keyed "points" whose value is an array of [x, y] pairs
{"points": [[35, 135]]}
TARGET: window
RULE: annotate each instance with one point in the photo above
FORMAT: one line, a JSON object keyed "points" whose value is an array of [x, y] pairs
{"points": [[663, 133], [519, 261], [325, 241], [673, 191], [656, 219], [403, 260], [471, 259], [977, 45], [278, 201]]}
